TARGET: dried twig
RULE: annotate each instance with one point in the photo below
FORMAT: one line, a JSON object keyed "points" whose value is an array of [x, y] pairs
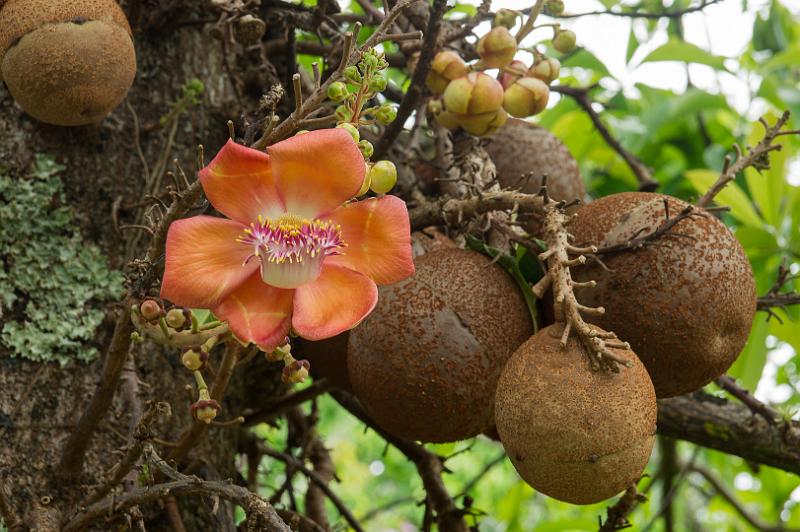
{"points": [[728, 384], [444, 211], [286, 403], [617, 515], [775, 297]]}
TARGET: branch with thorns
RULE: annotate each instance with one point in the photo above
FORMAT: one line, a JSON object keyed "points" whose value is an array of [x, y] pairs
{"points": [[561, 254]]}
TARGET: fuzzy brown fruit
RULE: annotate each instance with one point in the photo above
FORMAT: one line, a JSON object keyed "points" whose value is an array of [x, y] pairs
{"points": [[519, 148], [66, 63], [425, 363], [577, 435], [685, 304]]}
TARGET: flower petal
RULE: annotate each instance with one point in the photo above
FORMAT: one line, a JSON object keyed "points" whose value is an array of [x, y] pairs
{"points": [[317, 171], [378, 238], [337, 301], [239, 184], [204, 261], [257, 312]]}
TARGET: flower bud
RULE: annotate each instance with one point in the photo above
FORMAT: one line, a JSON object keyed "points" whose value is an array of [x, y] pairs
{"points": [[383, 177], [366, 148], [506, 18], [474, 93], [386, 114], [435, 107], [352, 75], [343, 113], [564, 41], [445, 67], [447, 119], [151, 310], [484, 124], [350, 128], [205, 410], [377, 83], [337, 91], [526, 97], [370, 59], [514, 71], [547, 70], [296, 372], [279, 353], [366, 183], [177, 318], [554, 7], [497, 48], [193, 358]]}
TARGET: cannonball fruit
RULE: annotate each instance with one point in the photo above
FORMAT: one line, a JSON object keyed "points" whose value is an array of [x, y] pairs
{"points": [[520, 148], [425, 362], [685, 304], [573, 433], [66, 63]]}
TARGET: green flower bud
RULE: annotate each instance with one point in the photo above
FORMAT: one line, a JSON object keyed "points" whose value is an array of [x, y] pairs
{"points": [[193, 358], [377, 83], [370, 60], [497, 48], [352, 75], [296, 372], [366, 148], [350, 128], [506, 18], [554, 7], [564, 41], [206, 409], [343, 114], [383, 177], [526, 97], [176, 318], [445, 67], [386, 114], [435, 106], [365, 184], [337, 91], [547, 70]]}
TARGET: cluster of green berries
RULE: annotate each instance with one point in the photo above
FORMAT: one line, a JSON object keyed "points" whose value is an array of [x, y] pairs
{"points": [[480, 103]]}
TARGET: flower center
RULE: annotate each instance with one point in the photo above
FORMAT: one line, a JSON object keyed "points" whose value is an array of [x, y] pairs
{"points": [[291, 249]]}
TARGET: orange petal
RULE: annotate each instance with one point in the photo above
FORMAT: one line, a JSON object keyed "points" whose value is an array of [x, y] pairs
{"points": [[257, 312], [337, 301], [240, 185], [204, 261], [378, 238], [317, 171]]}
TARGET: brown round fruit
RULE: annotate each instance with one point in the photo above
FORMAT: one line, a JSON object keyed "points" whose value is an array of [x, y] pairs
{"points": [[425, 363], [575, 434], [66, 64], [520, 148], [685, 304]]}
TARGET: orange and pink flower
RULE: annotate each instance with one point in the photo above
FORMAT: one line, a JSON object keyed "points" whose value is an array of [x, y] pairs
{"points": [[293, 254]]}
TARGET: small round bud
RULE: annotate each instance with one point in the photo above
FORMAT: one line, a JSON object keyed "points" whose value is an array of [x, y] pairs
{"points": [[350, 128], [512, 73], [205, 410], [366, 148], [279, 353], [564, 41], [296, 372], [497, 48], [526, 97], [547, 70], [193, 358], [475, 93], [386, 114], [366, 183], [506, 18], [484, 124], [249, 29], [352, 75], [343, 114], [370, 59], [445, 67], [151, 310], [554, 7], [435, 107], [448, 120], [177, 318], [337, 91], [383, 177], [377, 83]]}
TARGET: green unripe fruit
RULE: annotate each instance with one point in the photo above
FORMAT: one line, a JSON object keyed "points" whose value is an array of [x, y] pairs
{"points": [[386, 114], [526, 97], [383, 177], [350, 128], [554, 7], [445, 67], [474, 93], [506, 18], [366, 148], [497, 48], [564, 41], [337, 91]]}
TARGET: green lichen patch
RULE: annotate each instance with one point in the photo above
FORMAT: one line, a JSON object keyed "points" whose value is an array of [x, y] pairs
{"points": [[50, 279]]}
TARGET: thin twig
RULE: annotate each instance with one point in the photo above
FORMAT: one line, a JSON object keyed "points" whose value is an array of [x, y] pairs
{"points": [[728, 384], [678, 13], [286, 403], [617, 515]]}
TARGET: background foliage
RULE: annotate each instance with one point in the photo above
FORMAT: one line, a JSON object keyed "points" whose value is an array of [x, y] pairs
{"points": [[683, 136]]}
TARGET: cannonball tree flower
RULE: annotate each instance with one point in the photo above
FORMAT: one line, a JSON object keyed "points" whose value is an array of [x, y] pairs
{"points": [[294, 252]]}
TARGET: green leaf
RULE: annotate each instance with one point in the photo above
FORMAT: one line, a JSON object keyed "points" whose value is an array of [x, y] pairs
{"points": [[747, 368], [684, 52], [586, 59], [732, 195]]}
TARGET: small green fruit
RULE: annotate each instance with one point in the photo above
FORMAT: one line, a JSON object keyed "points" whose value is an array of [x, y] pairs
{"points": [[383, 177], [564, 41]]}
